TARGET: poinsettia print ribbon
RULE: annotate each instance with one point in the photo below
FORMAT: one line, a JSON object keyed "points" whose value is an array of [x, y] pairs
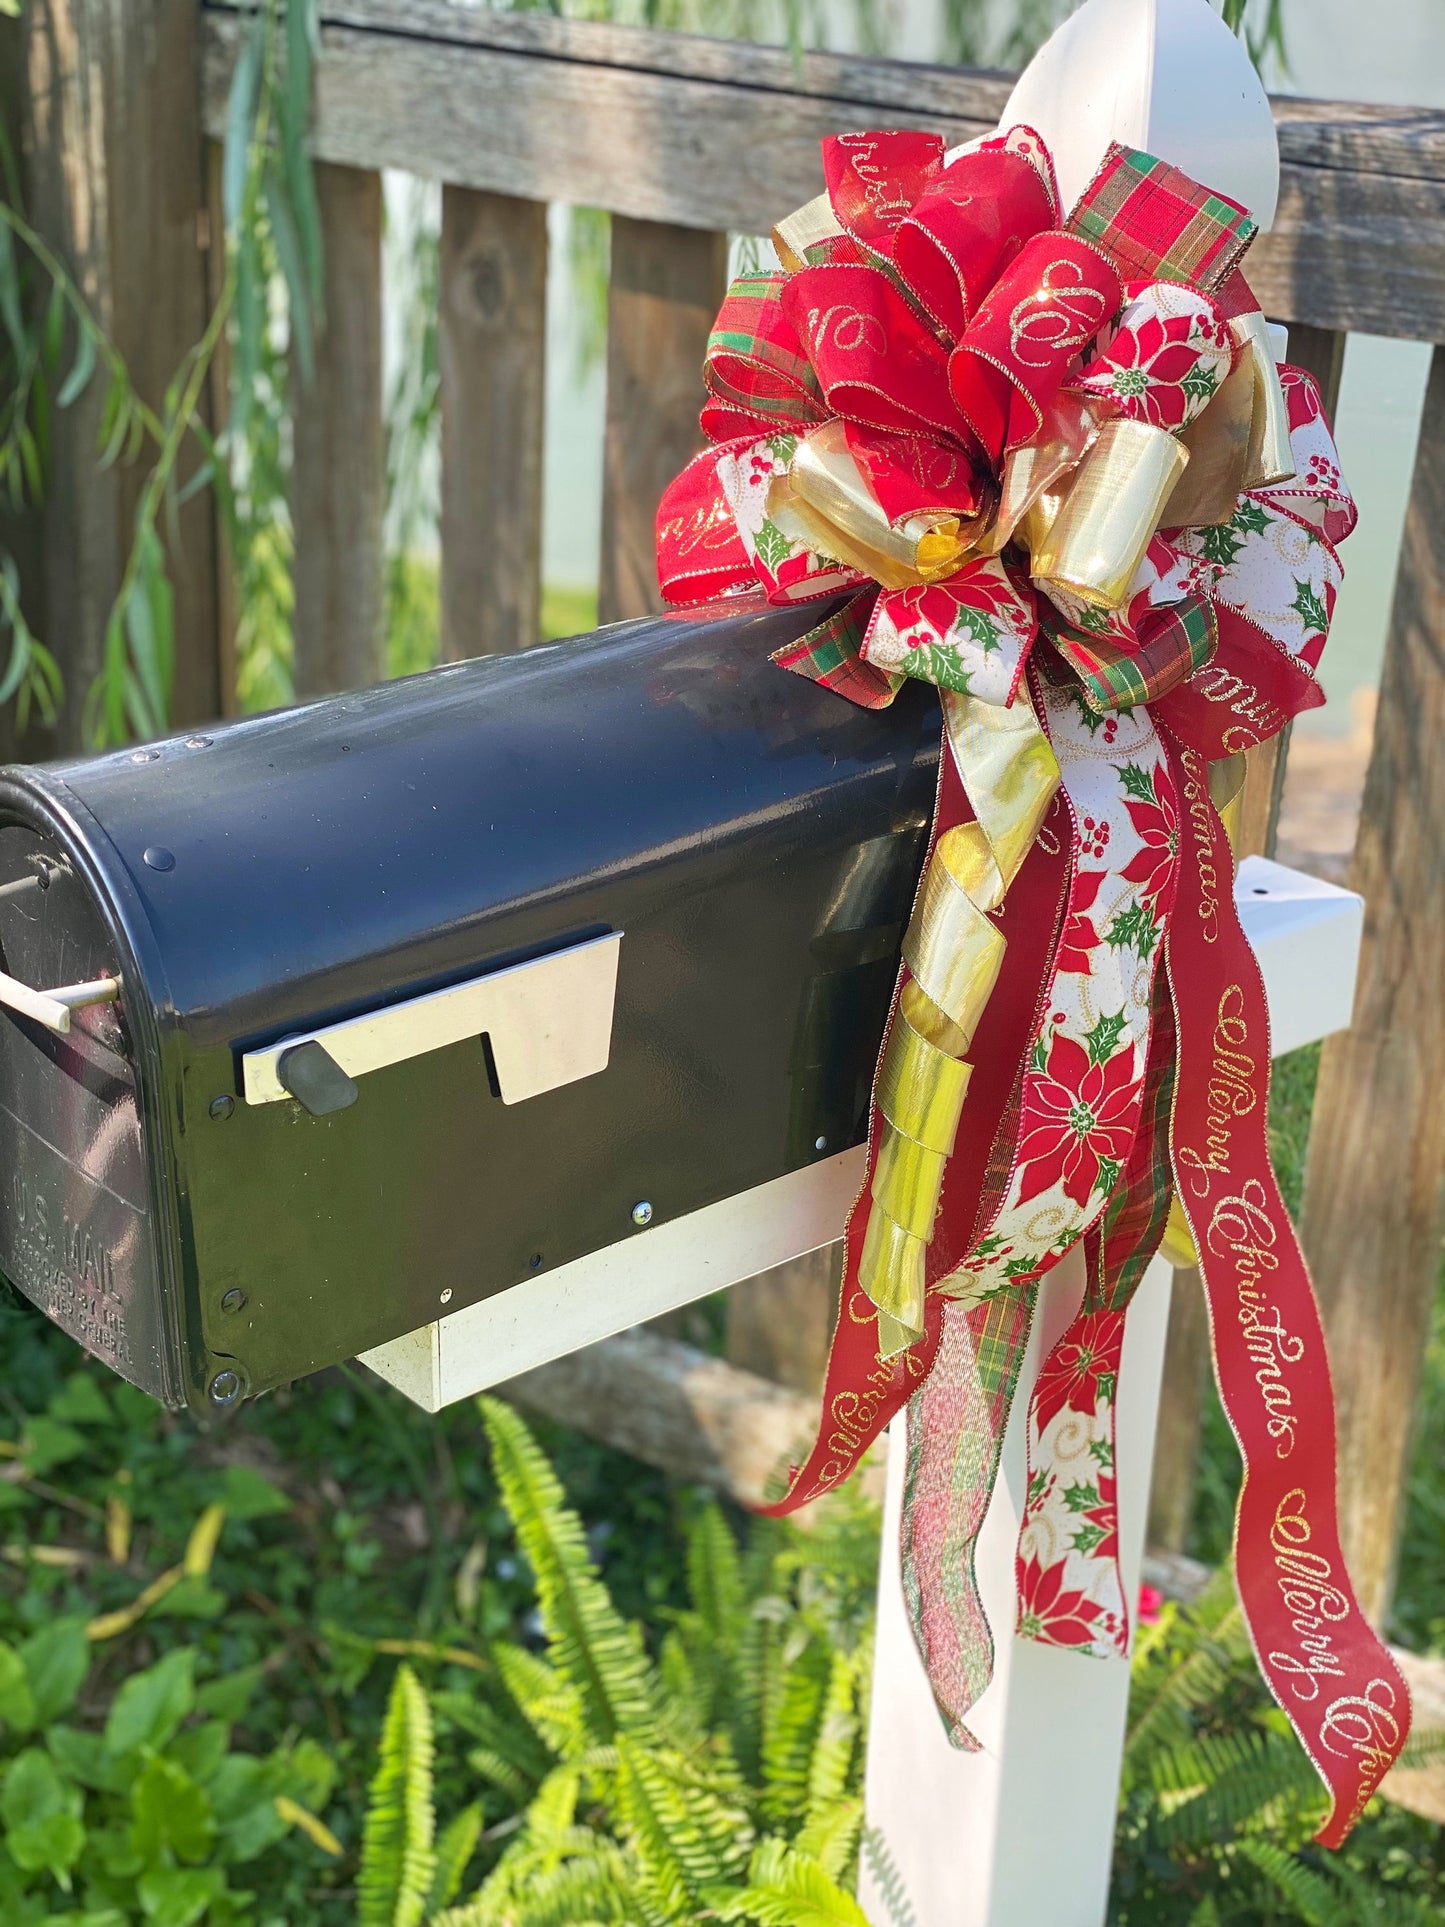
{"points": [[1043, 460]]}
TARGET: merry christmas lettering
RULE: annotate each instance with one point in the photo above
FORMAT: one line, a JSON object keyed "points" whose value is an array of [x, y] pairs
{"points": [[1242, 1225], [851, 1416], [1262, 718], [1313, 1601], [1202, 822], [1366, 1725]]}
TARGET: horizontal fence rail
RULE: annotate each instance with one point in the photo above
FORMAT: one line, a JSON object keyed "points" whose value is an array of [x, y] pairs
{"points": [[716, 135]]}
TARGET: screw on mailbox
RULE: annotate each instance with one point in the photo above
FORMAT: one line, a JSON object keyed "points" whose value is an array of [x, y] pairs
{"points": [[226, 1389], [233, 1300], [222, 1107], [642, 1214]]}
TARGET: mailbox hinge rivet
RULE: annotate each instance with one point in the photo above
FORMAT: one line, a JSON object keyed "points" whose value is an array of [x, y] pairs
{"points": [[222, 1106], [820, 1144], [226, 1389], [233, 1300], [156, 858], [642, 1214]]}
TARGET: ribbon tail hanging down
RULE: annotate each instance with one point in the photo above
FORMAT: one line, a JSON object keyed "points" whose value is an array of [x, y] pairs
{"points": [[1068, 1139], [953, 954], [1328, 1669], [1070, 1580]]}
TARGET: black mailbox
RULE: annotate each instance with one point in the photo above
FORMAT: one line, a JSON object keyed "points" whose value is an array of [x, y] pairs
{"points": [[321, 1020]]}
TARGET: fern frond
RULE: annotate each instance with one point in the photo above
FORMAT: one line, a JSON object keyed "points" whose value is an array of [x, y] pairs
{"points": [[715, 1579], [544, 1697], [786, 1888], [397, 1857], [793, 1715], [590, 1887], [830, 1767], [685, 1837], [510, 1754], [831, 1837], [1219, 1786], [1383, 1906], [1316, 1899], [453, 1854], [593, 1646], [692, 1683], [1181, 1664], [500, 1723]]}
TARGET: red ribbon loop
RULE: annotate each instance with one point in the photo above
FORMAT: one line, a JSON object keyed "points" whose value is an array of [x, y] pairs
{"points": [[1053, 299], [966, 228], [875, 179], [876, 362]]}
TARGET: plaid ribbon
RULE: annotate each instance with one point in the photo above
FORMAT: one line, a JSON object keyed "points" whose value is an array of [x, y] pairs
{"points": [[956, 1425], [1181, 639], [755, 360], [832, 654], [1156, 224]]}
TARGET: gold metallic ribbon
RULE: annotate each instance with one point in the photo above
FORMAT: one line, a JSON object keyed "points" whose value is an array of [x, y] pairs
{"points": [[824, 501], [954, 952]]}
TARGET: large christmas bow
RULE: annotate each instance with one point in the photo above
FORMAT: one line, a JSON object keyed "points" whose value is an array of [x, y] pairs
{"points": [[1051, 468]]}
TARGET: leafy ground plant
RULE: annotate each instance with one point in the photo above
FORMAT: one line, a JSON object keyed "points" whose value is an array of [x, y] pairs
{"points": [[136, 1808], [715, 1779], [720, 1778]]}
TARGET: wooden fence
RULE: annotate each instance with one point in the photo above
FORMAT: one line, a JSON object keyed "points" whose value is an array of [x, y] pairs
{"points": [[684, 141]]}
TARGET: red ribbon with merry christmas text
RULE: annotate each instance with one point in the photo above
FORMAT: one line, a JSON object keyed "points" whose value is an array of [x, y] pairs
{"points": [[1049, 466]]}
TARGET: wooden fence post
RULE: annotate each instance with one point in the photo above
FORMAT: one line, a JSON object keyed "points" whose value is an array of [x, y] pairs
{"points": [[1374, 1204], [779, 1323], [492, 344], [1186, 1361], [116, 175], [665, 289], [338, 476]]}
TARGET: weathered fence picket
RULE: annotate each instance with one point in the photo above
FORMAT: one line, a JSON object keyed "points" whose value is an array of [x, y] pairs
{"points": [[1374, 1205], [491, 341], [120, 190], [338, 475], [663, 292]]}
